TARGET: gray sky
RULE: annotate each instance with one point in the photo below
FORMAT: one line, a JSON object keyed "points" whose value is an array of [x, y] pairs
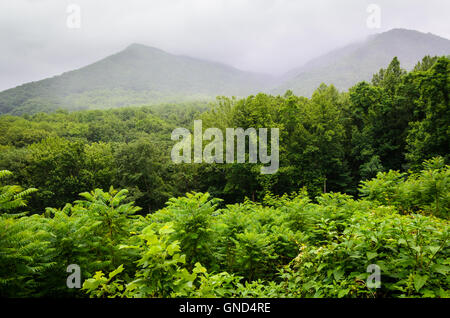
{"points": [[271, 36]]}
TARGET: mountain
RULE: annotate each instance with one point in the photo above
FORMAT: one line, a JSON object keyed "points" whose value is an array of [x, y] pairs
{"points": [[357, 62], [137, 75], [141, 75]]}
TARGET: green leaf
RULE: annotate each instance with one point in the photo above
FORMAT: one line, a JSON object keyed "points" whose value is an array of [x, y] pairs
{"points": [[166, 229], [338, 274], [343, 292], [118, 270], [172, 248], [419, 281], [371, 255], [441, 269], [199, 268], [434, 249]]}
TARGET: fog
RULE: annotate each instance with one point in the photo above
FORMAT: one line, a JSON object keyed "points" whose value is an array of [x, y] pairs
{"points": [[270, 36]]}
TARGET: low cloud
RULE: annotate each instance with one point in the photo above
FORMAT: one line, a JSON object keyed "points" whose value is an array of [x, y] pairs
{"points": [[270, 36]]}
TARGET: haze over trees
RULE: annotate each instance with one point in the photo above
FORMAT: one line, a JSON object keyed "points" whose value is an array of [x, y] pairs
{"points": [[141, 75]]}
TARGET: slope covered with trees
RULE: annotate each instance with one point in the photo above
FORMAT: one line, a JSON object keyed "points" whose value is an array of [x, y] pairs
{"points": [[135, 76], [363, 179], [357, 62], [143, 75]]}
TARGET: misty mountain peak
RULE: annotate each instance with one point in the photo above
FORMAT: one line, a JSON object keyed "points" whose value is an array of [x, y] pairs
{"points": [[142, 47], [142, 74], [408, 35], [346, 66]]}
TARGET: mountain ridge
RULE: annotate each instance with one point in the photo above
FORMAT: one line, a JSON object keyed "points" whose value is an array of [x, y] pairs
{"points": [[141, 74], [358, 61]]}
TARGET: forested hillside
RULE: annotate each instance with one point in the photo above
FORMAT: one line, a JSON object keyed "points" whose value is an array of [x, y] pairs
{"points": [[143, 75], [357, 62], [363, 179], [137, 75]]}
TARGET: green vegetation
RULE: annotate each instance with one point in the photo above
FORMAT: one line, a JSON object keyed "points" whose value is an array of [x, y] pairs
{"points": [[282, 247], [364, 179]]}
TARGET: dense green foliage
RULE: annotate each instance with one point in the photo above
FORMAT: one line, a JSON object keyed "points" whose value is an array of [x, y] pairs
{"points": [[282, 247], [363, 179], [328, 142]]}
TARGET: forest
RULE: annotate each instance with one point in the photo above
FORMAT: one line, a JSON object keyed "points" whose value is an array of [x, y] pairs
{"points": [[363, 178]]}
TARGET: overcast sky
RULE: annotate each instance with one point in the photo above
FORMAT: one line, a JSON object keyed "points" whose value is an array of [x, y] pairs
{"points": [[269, 36]]}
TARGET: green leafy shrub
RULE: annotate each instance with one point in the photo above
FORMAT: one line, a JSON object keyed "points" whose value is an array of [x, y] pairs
{"points": [[161, 272], [192, 217], [427, 191], [412, 252], [285, 246], [12, 196]]}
